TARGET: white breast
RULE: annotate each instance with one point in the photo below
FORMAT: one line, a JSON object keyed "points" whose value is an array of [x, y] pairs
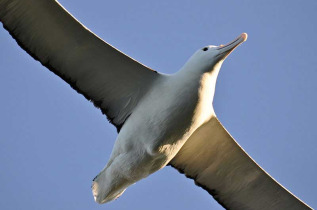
{"points": [[204, 109], [166, 118]]}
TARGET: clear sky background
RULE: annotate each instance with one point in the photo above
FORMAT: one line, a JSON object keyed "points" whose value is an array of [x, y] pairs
{"points": [[53, 142]]}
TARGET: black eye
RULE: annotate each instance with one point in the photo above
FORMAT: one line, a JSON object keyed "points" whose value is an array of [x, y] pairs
{"points": [[205, 48]]}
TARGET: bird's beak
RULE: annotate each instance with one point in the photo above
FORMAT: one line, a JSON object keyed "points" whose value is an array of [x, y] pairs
{"points": [[225, 50]]}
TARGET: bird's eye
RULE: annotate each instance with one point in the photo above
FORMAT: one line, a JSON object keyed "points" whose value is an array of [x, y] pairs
{"points": [[205, 48]]}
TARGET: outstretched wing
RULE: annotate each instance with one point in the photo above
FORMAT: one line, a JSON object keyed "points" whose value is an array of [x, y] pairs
{"points": [[111, 80], [219, 165]]}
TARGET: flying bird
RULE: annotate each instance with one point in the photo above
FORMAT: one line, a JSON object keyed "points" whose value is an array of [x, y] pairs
{"points": [[161, 119]]}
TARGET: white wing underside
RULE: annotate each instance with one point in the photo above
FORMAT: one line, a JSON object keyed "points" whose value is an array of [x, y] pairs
{"points": [[219, 165], [114, 82]]}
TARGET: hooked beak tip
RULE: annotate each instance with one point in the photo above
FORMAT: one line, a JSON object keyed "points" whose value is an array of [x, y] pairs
{"points": [[244, 36]]}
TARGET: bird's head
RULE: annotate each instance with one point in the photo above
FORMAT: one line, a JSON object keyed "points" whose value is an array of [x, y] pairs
{"points": [[210, 58]]}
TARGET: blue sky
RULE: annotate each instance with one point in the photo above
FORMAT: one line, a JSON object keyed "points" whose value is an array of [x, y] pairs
{"points": [[53, 142]]}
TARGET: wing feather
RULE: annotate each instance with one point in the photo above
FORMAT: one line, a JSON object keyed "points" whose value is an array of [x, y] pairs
{"points": [[220, 166], [111, 80]]}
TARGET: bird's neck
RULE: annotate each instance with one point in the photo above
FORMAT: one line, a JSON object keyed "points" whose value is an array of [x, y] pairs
{"points": [[193, 70], [201, 86]]}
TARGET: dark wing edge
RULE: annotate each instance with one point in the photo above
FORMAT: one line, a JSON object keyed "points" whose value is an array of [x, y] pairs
{"points": [[216, 162], [114, 82]]}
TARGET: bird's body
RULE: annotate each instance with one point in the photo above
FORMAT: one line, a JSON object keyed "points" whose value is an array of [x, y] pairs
{"points": [[160, 125]]}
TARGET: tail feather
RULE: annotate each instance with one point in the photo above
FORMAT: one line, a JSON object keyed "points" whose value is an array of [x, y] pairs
{"points": [[104, 191]]}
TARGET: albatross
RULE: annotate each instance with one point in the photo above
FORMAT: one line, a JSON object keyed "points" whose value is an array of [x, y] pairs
{"points": [[161, 119]]}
